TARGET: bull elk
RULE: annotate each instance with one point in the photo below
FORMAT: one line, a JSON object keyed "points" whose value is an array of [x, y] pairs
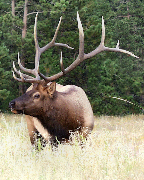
{"points": [[55, 110]]}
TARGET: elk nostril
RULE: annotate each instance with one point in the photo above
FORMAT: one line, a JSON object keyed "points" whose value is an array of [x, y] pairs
{"points": [[12, 104]]}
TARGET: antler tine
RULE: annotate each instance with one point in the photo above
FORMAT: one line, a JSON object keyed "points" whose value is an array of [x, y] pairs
{"points": [[25, 77], [18, 72], [81, 37], [15, 68], [53, 43], [101, 47], [57, 29], [61, 64], [103, 32], [120, 50], [18, 79], [117, 46], [35, 32], [14, 76], [23, 68], [22, 78], [38, 52]]}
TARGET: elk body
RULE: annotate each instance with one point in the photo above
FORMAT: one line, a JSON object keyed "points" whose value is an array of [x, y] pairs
{"points": [[59, 110]]}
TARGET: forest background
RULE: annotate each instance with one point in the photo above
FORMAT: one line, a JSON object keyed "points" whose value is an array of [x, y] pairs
{"points": [[107, 74]]}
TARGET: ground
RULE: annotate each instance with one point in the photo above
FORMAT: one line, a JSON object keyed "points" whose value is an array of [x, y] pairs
{"points": [[115, 151]]}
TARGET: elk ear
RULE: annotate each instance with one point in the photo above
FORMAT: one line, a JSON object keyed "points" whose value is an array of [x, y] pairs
{"points": [[51, 89]]}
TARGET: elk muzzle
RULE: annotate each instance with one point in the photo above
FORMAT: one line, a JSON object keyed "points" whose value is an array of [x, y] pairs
{"points": [[12, 106]]}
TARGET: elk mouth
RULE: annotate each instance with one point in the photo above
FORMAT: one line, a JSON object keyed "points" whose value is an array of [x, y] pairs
{"points": [[15, 111]]}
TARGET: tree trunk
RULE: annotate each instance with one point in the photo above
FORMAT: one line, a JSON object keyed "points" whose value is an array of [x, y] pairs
{"points": [[25, 20], [24, 30], [13, 8]]}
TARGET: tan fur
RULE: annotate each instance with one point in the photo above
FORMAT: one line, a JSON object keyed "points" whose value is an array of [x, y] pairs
{"points": [[34, 124]]}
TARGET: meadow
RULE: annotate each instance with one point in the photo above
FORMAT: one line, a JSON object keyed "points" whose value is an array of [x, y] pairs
{"points": [[115, 151]]}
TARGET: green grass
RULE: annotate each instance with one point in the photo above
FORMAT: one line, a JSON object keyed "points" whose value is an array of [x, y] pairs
{"points": [[116, 152]]}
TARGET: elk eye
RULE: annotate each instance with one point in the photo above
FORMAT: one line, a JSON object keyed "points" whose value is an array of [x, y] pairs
{"points": [[36, 96]]}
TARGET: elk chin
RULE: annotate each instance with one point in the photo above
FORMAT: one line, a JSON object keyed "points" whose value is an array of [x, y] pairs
{"points": [[30, 113]]}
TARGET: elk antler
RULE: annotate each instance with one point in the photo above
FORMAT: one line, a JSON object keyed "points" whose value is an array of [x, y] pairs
{"points": [[39, 51], [81, 57]]}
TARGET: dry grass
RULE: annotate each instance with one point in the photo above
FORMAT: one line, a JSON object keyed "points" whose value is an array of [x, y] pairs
{"points": [[116, 153]]}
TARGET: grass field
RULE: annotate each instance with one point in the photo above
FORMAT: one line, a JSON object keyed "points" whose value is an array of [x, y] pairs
{"points": [[116, 152]]}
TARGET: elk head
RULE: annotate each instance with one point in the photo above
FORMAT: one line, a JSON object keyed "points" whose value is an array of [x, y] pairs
{"points": [[40, 88], [32, 102]]}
